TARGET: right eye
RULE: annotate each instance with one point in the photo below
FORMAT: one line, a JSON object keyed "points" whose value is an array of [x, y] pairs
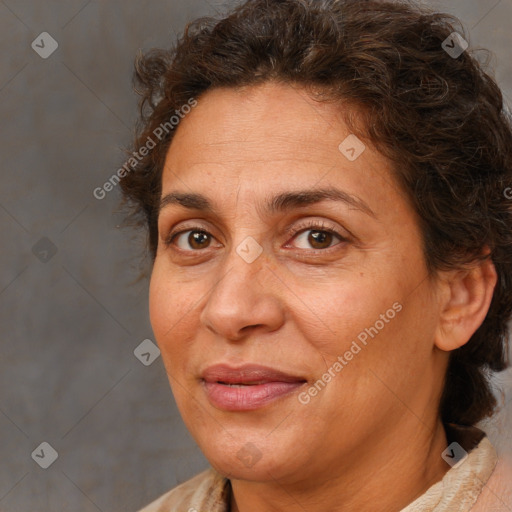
{"points": [[197, 239]]}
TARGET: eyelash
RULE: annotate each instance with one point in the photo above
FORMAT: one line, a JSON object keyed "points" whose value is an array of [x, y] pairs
{"points": [[292, 232]]}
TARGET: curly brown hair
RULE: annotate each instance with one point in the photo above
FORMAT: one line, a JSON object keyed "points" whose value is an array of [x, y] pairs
{"points": [[440, 119]]}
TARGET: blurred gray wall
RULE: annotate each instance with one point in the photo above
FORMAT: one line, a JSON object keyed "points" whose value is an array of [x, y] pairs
{"points": [[72, 311]]}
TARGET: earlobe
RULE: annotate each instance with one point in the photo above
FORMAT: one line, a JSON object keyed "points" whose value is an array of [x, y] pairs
{"points": [[466, 300]]}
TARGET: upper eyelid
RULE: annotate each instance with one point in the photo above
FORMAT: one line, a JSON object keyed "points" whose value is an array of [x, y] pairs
{"points": [[319, 225], [185, 229]]}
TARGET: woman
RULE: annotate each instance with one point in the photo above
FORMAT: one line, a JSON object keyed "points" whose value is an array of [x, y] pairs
{"points": [[323, 184]]}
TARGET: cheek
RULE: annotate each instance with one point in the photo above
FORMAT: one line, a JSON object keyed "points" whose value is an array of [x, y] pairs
{"points": [[336, 314], [171, 312], [160, 304], [377, 318]]}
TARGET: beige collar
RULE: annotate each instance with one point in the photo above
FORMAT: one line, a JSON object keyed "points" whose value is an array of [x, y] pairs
{"points": [[462, 484]]}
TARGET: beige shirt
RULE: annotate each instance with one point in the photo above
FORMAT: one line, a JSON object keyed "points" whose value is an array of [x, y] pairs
{"points": [[458, 491]]}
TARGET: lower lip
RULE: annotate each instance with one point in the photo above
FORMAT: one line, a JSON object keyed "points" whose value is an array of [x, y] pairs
{"points": [[247, 398]]}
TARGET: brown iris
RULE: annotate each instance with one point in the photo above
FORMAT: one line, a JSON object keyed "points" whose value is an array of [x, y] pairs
{"points": [[197, 240], [316, 238]]}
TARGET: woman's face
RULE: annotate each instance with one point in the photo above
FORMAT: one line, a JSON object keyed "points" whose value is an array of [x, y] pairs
{"points": [[289, 294]]}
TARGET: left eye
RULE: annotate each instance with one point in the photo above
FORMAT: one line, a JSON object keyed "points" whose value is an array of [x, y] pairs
{"points": [[317, 238]]}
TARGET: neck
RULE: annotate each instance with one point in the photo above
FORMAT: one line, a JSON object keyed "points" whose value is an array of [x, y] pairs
{"points": [[385, 475]]}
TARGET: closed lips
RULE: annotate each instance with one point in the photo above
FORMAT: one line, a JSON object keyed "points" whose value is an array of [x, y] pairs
{"points": [[248, 387], [248, 375]]}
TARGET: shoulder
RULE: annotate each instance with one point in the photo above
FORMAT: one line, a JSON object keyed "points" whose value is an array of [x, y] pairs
{"points": [[208, 490]]}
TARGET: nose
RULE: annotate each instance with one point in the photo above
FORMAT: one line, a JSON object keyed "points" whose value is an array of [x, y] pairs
{"points": [[244, 299]]}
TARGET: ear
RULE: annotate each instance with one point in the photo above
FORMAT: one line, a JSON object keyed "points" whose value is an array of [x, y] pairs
{"points": [[465, 299]]}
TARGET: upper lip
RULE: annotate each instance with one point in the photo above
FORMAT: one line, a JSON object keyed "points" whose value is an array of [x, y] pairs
{"points": [[247, 374]]}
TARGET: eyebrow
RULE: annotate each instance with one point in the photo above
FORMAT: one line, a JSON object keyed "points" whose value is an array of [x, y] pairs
{"points": [[282, 202]]}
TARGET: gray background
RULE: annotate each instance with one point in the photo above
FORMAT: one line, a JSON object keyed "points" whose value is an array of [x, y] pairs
{"points": [[68, 375]]}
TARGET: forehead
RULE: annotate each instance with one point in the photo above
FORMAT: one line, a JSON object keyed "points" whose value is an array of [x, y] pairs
{"points": [[271, 137], [272, 119], [271, 122]]}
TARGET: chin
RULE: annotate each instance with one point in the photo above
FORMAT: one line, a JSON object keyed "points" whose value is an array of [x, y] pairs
{"points": [[247, 467], [248, 455]]}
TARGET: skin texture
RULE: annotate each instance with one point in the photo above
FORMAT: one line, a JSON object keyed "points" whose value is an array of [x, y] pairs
{"points": [[301, 304]]}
